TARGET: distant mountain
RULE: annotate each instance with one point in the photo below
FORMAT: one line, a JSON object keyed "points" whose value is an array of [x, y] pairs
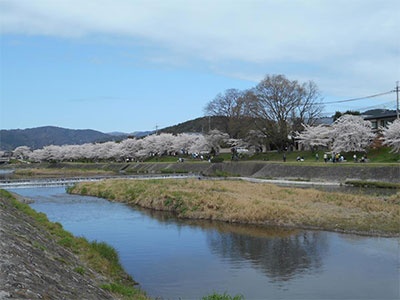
{"points": [[117, 133], [141, 133], [38, 137], [49, 135], [202, 124], [135, 133]]}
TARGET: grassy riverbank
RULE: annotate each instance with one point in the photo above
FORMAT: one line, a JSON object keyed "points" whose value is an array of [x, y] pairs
{"points": [[244, 202], [97, 256]]}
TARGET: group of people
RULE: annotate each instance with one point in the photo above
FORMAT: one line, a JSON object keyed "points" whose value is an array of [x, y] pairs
{"points": [[334, 157]]}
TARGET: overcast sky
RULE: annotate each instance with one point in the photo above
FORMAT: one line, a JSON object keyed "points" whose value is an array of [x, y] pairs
{"points": [[121, 65]]}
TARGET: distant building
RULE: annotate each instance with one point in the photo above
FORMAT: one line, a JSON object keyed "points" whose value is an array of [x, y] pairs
{"points": [[380, 117]]}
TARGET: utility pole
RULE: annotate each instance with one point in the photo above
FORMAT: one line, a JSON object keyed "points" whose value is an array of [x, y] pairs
{"points": [[397, 97]]}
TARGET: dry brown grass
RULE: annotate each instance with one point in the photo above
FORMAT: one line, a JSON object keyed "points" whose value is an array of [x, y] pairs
{"points": [[255, 203]]}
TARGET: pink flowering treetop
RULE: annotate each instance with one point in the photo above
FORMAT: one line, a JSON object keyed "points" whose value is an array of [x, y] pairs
{"points": [[314, 136], [351, 133], [391, 136]]}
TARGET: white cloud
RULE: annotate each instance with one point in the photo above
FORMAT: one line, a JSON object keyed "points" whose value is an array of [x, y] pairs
{"points": [[353, 43]]}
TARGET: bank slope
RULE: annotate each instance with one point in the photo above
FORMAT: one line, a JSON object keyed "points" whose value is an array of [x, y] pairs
{"points": [[40, 260]]}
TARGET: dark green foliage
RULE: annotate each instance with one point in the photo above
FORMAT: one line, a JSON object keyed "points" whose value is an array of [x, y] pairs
{"points": [[66, 242], [224, 296], [338, 114], [198, 125], [124, 290], [373, 184], [219, 173], [106, 251], [217, 159]]}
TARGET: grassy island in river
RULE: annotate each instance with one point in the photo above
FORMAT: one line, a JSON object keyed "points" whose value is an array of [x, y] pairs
{"points": [[255, 203]]}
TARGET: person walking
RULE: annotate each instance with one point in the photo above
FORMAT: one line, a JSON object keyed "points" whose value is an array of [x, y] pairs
{"points": [[284, 157], [325, 157], [316, 157]]}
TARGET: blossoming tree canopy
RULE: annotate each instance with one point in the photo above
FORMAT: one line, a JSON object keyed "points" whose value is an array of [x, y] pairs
{"points": [[164, 143], [351, 133], [314, 136], [391, 136]]}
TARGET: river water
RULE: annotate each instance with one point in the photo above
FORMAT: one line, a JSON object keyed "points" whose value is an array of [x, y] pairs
{"points": [[189, 259]]}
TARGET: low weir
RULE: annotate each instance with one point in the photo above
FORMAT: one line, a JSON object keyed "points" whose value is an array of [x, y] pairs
{"points": [[53, 182]]}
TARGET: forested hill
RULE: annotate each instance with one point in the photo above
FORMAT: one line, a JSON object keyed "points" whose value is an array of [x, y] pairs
{"points": [[48, 135], [202, 124]]}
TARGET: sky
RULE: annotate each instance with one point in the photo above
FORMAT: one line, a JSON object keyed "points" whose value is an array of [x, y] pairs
{"points": [[126, 65]]}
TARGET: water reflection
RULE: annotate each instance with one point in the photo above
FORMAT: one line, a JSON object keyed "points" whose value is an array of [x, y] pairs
{"points": [[280, 254], [280, 258]]}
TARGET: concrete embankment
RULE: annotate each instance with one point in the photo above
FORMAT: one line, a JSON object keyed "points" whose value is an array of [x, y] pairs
{"points": [[339, 173], [256, 169], [35, 265]]}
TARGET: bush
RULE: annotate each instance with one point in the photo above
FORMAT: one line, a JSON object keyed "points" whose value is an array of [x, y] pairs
{"points": [[222, 173], [217, 159], [124, 290], [106, 251], [216, 296]]}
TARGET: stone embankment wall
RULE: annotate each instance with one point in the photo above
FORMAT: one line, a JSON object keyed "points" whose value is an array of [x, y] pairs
{"points": [[339, 173], [34, 266]]}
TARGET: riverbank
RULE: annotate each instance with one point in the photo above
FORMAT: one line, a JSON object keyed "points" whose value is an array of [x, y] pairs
{"points": [[40, 260], [340, 172], [255, 203]]}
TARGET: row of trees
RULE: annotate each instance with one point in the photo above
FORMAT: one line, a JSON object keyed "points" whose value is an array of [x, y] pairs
{"points": [[152, 145], [348, 133], [275, 108]]}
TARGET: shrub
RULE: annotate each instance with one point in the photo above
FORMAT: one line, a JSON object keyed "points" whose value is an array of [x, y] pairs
{"points": [[217, 159], [106, 251], [124, 290], [224, 296]]}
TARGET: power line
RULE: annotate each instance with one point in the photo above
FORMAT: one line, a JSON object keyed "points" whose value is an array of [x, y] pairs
{"points": [[386, 105], [355, 99]]}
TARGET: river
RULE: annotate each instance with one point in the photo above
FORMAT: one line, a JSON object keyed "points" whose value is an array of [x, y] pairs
{"points": [[189, 259]]}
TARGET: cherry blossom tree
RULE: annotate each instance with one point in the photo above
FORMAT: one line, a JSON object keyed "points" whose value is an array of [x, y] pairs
{"points": [[200, 144], [215, 138], [129, 148], [315, 136], [156, 144], [391, 136], [22, 151], [39, 155], [351, 133]]}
